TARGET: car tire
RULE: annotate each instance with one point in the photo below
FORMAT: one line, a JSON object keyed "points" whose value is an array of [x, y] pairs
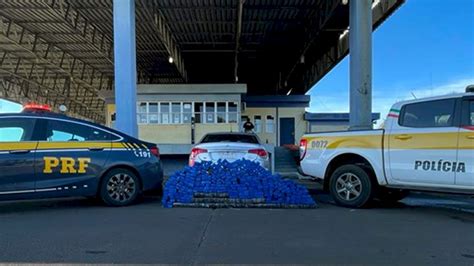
{"points": [[351, 186], [392, 195], [120, 187]]}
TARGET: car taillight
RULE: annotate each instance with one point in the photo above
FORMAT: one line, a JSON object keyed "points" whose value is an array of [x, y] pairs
{"points": [[303, 148], [155, 151], [260, 152], [194, 153]]}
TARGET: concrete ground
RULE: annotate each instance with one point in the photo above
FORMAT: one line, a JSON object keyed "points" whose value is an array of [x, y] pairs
{"points": [[81, 231]]}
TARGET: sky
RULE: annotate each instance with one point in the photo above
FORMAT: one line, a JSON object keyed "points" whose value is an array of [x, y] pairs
{"points": [[426, 48]]}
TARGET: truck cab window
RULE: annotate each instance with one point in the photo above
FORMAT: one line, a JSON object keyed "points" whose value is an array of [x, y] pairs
{"points": [[471, 113], [438, 113]]}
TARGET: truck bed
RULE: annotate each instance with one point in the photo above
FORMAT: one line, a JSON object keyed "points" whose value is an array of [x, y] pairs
{"points": [[323, 147]]}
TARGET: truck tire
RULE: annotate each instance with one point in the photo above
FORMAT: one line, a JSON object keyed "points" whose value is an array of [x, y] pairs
{"points": [[351, 186], [119, 187]]}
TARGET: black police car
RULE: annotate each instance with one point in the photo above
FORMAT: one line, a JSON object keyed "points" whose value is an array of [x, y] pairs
{"points": [[43, 154]]}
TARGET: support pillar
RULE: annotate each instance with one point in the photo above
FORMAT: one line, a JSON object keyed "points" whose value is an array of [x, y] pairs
{"points": [[360, 47], [125, 67]]}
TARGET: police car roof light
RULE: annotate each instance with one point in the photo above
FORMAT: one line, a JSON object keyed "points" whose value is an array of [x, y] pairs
{"points": [[38, 107]]}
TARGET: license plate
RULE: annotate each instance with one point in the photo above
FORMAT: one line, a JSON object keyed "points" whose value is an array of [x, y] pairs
{"points": [[229, 155]]}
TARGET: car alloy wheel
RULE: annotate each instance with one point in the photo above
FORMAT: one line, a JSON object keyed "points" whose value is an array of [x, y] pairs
{"points": [[348, 186], [351, 186], [121, 187]]}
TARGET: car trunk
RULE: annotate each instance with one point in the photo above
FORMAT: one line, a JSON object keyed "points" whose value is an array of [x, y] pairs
{"points": [[229, 151]]}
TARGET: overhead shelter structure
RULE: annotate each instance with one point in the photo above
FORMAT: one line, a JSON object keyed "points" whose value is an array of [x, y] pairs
{"points": [[62, 51]]}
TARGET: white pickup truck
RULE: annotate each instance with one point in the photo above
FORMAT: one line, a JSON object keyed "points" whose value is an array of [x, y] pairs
{"points": [[426, 145]]}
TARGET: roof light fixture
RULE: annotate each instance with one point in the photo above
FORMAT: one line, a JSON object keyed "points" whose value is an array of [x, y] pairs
{"points": [[36, 107]]}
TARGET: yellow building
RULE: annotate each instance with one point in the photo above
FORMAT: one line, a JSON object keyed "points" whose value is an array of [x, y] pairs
{"points": [[175, 116], [278, 119]]}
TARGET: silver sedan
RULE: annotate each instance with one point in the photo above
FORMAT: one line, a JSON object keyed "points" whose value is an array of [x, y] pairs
{"points": [[230, 147]]}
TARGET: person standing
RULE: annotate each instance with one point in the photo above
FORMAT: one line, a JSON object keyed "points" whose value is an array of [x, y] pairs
{"points": [[248, 126]]}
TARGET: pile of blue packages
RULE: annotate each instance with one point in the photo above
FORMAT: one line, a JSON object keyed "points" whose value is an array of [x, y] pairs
{"points": [[241, 180]]}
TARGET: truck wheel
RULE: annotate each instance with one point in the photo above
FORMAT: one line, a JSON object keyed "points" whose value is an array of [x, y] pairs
{"points": [[350, 186], [119, 187], [392, 195]]}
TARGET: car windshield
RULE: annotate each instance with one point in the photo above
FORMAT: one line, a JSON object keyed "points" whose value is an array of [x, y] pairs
{"points": [[230, 138]]}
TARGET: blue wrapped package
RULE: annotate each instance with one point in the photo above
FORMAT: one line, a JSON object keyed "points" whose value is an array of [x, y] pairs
{"points": [[240, 181]]}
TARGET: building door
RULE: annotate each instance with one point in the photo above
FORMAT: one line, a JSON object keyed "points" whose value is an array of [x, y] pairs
{"points": [[243, 119], [287, 131]]}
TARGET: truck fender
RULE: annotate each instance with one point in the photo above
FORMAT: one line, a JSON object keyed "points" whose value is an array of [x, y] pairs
{"points": [[343, 158]]}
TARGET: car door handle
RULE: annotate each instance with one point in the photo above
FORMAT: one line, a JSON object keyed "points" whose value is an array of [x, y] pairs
{"points": [[19, 151], [470, 137], [96, 149], [403, 137]]}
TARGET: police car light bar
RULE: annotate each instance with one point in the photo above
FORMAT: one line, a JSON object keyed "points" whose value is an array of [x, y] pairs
{"points": [[37, 107]]}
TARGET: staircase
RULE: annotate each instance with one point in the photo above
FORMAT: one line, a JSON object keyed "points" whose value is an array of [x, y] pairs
{"points": [[285, 163]]}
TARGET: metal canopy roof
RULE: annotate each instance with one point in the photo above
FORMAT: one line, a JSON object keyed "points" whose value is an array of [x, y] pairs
{"points": [[60, 51]]}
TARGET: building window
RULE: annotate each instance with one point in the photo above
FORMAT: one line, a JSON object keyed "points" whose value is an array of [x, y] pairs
{"points": [[176, 113], [142, 113], [210, 113], [165, 113], [187, 112], [233, 112], [270, 124], [153, 113], [198, 112], [258, 123], [182, 112], [221, 112]]}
